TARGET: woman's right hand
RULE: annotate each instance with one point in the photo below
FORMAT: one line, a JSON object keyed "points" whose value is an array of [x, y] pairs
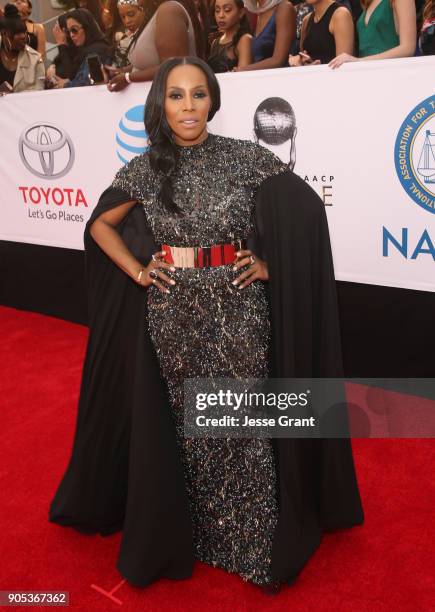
{"points": [[294, 61], [307, 60], [342, 59], [59, 35], [60, 83], [117, 82], [51, 72], [153, 274]]}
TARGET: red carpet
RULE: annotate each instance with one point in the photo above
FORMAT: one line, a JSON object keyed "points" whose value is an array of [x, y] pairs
{"points": [[388, 564]]}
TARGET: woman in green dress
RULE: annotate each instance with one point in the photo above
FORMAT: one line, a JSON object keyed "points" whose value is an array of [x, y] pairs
{"points": [[386, 30]]}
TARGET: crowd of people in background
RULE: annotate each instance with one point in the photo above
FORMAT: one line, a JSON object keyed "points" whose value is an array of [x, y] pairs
{"points": [[124, 41]]}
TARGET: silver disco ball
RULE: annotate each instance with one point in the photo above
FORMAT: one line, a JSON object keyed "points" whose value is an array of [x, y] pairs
{"points": [[274, 121]]}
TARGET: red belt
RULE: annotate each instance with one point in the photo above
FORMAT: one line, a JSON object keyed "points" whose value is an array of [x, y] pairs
{"points": [[203, 257]]}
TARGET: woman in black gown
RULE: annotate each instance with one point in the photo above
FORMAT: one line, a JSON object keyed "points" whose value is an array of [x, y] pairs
{"points": [[161, 312]]}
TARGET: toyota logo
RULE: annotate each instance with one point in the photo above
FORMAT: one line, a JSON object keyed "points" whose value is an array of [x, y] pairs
{"points": [[46, 150]]}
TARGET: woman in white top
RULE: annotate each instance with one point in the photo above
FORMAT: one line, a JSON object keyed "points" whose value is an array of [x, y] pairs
{"points": [[170, 28]]}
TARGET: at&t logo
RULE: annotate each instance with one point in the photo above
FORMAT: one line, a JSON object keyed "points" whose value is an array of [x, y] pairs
{"points": [[131, 137]]}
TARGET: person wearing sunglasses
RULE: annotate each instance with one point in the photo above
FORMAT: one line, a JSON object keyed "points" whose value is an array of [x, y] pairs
{"points": [[63, 63], [88, 39]]}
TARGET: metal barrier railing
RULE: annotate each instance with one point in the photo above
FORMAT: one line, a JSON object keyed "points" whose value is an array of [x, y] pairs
{"points": [[55, 18]]}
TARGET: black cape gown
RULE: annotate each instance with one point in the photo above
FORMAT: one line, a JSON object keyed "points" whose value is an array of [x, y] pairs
{"points": [[125, 471]]}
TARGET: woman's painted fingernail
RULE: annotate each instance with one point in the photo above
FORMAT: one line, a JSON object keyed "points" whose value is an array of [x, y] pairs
{"points": [[167, 291], [240, 287], [234, 282], [172, 282], [163, 252], [238, 253], [172, 269], [234, 268]]}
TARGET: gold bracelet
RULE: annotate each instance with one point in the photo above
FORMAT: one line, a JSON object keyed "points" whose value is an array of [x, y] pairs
{"points": [[139, 276]]}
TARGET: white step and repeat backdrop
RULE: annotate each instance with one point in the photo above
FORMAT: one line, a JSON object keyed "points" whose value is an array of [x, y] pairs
{"points": [[362, 136]]}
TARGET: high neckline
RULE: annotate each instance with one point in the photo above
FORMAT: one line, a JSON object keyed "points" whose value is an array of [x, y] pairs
{"points": [[196, 147]]}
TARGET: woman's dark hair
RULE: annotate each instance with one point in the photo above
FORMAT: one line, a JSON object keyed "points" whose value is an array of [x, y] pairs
{"points": [[428, 9], [163, 152], [86, 19], [151, 7], [62, 22], [116, 25], [12, 21], [94, 7], [244, 28], [204, 8]]}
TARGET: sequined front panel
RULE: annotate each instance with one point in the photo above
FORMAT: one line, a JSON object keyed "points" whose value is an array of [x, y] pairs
{"points": [[206, 327]]}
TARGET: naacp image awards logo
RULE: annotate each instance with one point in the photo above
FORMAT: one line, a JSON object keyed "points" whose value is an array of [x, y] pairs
{"points": [[131, 137], [46, 150], [414, 154]]}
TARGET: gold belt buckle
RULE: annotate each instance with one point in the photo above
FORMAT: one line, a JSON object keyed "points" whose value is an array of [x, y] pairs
{"points": [[188, 257], [239, 244], [183, 257]]}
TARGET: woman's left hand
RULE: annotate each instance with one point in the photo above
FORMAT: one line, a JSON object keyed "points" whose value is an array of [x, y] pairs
{"points": [[342, 59], [117, 83], [257, 269], [112, 71], [60, 83]]}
